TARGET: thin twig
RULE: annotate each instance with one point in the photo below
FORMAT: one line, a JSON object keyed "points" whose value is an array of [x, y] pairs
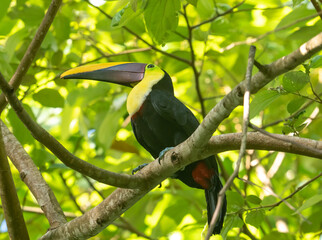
{"points": [[193, 64], [271, 206], [242, 152], [218, 15], [32, 50]]}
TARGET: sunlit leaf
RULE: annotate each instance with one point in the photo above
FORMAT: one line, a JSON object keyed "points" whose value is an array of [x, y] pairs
{"points": [[4, 6], [310, 202], [253, 199], [161, 17], [316, 62], [261, 101], [235, 201], [295, 81], [128, 13], [232, 221], [49, 98], [255, 218], [295, 104]]}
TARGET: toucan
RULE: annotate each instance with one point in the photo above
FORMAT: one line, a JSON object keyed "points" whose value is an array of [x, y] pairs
{"points": [[159, 120]]}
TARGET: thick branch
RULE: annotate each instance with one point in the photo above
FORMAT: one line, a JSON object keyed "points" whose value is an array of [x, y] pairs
{"points": [[11, 207], [101, 175], [31, 176], [32, 50], [259, 141]]}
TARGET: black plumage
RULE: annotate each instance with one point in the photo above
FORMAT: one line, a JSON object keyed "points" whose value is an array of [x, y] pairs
{"points": [[163, 121]]}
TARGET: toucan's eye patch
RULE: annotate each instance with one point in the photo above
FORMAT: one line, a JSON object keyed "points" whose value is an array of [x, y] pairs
{"points": [[150, 66]]}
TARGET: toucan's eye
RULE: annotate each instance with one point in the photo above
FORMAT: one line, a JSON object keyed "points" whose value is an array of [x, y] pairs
{"points": [[150, 66]]}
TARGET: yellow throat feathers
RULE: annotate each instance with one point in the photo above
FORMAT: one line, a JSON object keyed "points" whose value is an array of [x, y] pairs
{"points": [[141, 90]]}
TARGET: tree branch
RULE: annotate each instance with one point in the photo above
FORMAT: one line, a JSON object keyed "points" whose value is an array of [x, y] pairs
{"points": [[32, 50], [11, 207], [259, 141], [31, 176], [292, 143], [317, 7]]}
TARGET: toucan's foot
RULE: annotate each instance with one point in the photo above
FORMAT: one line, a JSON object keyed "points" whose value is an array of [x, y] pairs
{"points": [[138, 168], [161, 154]]}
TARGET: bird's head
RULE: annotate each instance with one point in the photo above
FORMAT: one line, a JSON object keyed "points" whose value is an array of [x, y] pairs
{"points": [[142, 77]]}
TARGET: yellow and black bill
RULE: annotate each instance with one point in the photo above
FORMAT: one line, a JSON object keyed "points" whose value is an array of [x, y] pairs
{"points": [[123, 73]]}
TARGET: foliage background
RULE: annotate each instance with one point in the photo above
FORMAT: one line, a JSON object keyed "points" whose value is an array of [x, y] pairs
{"points": [[90, 118]]}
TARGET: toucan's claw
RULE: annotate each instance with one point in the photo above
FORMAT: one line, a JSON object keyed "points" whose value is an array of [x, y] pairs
{"points": [[162, 153], [138, 168]]}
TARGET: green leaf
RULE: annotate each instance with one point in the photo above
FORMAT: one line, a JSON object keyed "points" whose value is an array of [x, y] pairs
{"points": [[4, 6], [287, 129], [294, 15], [19, 129], [129, 12], [193, 2], [231, 221], [161, 17], [57, 57], [295, 81], [309, 203], [235, 201], [111, 122], [31, 15], [13, 41], [255, 218], [41, 157], [297, 2], [316, 62], [278, 235], [29, 80], [49, 98], [253, 199], [295, 105], [261, 101], [61, 26]]}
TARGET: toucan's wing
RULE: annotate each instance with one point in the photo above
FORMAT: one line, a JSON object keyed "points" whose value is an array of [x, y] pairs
{"points": [[174, 111]]}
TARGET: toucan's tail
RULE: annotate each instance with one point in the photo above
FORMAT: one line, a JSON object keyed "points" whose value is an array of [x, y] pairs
{"points": [[211, 198]]}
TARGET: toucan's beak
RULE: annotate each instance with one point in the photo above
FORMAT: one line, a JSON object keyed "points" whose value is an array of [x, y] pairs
{"points": [[123, 73]]}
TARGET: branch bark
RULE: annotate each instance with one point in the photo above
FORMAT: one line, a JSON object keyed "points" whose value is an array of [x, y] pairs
{"points": [[11, 207], [31, 176]]}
